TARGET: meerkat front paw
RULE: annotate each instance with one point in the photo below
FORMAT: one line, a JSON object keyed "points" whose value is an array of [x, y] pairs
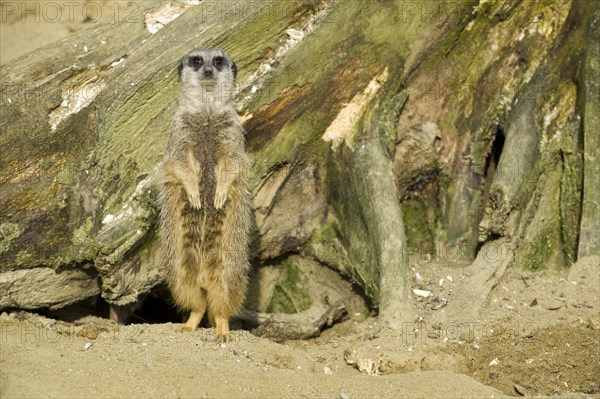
{"points": [[220, 199], [195, 200]]}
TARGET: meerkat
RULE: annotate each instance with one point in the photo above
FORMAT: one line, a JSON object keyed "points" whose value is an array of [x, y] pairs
{"points": [[205, 199]]}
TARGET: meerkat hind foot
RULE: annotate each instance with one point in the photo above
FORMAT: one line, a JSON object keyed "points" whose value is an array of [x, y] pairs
{"points": [[183, 327], [192, 323], [224, 336], [222, 329]]}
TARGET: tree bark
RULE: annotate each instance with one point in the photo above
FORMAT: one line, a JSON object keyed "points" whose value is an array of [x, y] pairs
{"points": [[369, 123], [589, 241], [84, 122]]}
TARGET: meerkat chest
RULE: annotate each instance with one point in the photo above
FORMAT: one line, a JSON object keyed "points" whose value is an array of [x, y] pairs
{"points": [[204, 143], [207, 134], [205, 152]]}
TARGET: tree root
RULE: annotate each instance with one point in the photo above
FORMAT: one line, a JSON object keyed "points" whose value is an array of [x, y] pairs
{"points": [[308, 324]]}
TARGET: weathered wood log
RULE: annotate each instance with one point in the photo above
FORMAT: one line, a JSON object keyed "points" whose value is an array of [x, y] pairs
{"points": [[43, 287], [304, 325], [92, 113], [513, 96], [547, 227], [362, 235], [519, 155], [334, 95], [372, 189], [110, 111], [589, 240]]}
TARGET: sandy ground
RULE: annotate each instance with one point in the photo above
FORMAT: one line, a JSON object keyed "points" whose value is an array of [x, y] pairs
{"points": [[154, 361], [539, 335]]}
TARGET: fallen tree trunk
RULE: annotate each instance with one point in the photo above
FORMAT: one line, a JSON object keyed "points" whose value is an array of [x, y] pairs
{"points": [[92, 115], [371, 124], [83, 195]]}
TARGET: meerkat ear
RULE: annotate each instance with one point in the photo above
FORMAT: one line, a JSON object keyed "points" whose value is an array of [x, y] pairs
{"points": [[234, 69], [180, 69]]}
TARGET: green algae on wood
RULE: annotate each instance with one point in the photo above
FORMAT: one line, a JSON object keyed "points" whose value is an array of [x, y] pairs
{"points": [[289, 293], [589, 242]]}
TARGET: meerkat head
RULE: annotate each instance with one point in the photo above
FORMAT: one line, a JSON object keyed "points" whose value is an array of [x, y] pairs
{"points": [[207, 75]]}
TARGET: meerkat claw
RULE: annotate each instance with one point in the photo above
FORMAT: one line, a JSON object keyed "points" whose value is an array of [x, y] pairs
{"points": [[226, 337], [220, 199], [195, 201]]}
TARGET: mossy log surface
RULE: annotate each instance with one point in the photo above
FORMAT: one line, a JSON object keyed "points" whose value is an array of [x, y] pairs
{"points": [[480, 116], [589, 242], [85, 122], [83, 195], [501, 97]]}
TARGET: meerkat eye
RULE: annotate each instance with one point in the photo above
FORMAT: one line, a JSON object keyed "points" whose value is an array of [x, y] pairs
{"points": [[196, 61], [218, 61]]}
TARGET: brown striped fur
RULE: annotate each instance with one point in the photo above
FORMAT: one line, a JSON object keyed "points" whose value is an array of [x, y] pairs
{"points": [[206, 204]]}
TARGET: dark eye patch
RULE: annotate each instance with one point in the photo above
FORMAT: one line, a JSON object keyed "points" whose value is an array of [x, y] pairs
{"points": [[196, 62], [219, 62]]}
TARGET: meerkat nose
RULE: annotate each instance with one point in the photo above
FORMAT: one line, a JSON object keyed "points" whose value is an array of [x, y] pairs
{"points": [[208, 72]]}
